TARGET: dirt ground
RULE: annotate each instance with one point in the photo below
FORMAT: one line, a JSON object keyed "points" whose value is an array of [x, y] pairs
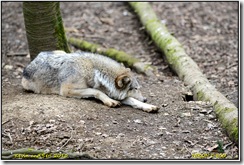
{"points": [[180, 130]]}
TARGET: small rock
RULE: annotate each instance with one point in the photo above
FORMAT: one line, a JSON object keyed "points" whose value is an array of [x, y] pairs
{"points": [[210, 126], [82, 122], [98, 133], [31, 122], [187, 114], [204, 111], [120, 135], [52, 121], [196, 108], [168, 133], [209, 111], [196, 151], [162, 154], [163, 21], [162, 128], [151, 142], [138, 121], [166, 114], [164, 105], [108, 21], [211, 117], [16, 73], [8, 67], [201, 115], [19, 70], [105, 135], [97, 148], [49, 125], [114, 122], [186, 131], [125, 13]]}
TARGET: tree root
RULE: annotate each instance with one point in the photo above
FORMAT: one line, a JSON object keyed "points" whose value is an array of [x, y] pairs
{"points": [[117, 55]]}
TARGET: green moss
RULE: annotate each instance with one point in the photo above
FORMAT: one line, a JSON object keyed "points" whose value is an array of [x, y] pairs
{"points": [[60, 33], [235, 135], [220, 109], [121, 57], [172, 60], [84, 45], [200, 95], [232, 129], [171, 51], [231, 126], [147, 66]]}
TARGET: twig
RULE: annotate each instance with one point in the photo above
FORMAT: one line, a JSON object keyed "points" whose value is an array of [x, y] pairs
{"points": [[9, 136], [11, 54], [227, 145], [71, 136], [6, 122]]}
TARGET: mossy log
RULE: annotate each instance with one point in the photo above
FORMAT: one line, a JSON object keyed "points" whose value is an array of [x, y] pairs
{"points": [[117, 55], [28, 153], [187, 69]]}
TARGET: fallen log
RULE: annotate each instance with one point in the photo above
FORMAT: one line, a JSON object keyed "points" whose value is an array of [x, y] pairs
{"points": [[187, 69], [117, 55]]}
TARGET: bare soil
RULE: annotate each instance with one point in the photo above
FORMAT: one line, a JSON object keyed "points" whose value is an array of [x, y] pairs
{"points": [[209, 33]]}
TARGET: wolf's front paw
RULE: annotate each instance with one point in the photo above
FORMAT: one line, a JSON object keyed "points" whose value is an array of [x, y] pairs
{"points": [[112, 103], [150, 108]]}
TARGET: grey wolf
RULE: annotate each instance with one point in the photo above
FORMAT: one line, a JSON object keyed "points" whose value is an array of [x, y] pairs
{"points": [[84, 75]]}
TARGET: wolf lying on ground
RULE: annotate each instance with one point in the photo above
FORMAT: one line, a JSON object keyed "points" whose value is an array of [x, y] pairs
{"points": [[84, 75]]}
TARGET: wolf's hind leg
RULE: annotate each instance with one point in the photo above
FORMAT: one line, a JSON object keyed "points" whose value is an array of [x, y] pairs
{"points": [[86, 93]]}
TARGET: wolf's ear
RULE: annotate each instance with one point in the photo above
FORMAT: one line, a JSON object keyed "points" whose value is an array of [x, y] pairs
{"points": [[122, 81]]}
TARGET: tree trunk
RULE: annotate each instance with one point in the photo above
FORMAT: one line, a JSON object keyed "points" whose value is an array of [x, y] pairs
{"points": [[187, 69], [44, 27]]}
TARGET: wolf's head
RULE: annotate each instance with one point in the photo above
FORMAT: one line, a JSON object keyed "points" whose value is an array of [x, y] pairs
{"points": [[128, 84]]}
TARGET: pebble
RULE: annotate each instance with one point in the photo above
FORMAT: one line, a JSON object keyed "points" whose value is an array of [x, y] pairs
{"points": [[152, 95], [166, 114], [52, 121], [162, 128], [187, 114], [105, 135], [138, 121], [204, 111], [211, 117], [196, 108], [120, 135], [210, 126], [8, 67], [114, 122], [164, 105], [20, 70]]}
